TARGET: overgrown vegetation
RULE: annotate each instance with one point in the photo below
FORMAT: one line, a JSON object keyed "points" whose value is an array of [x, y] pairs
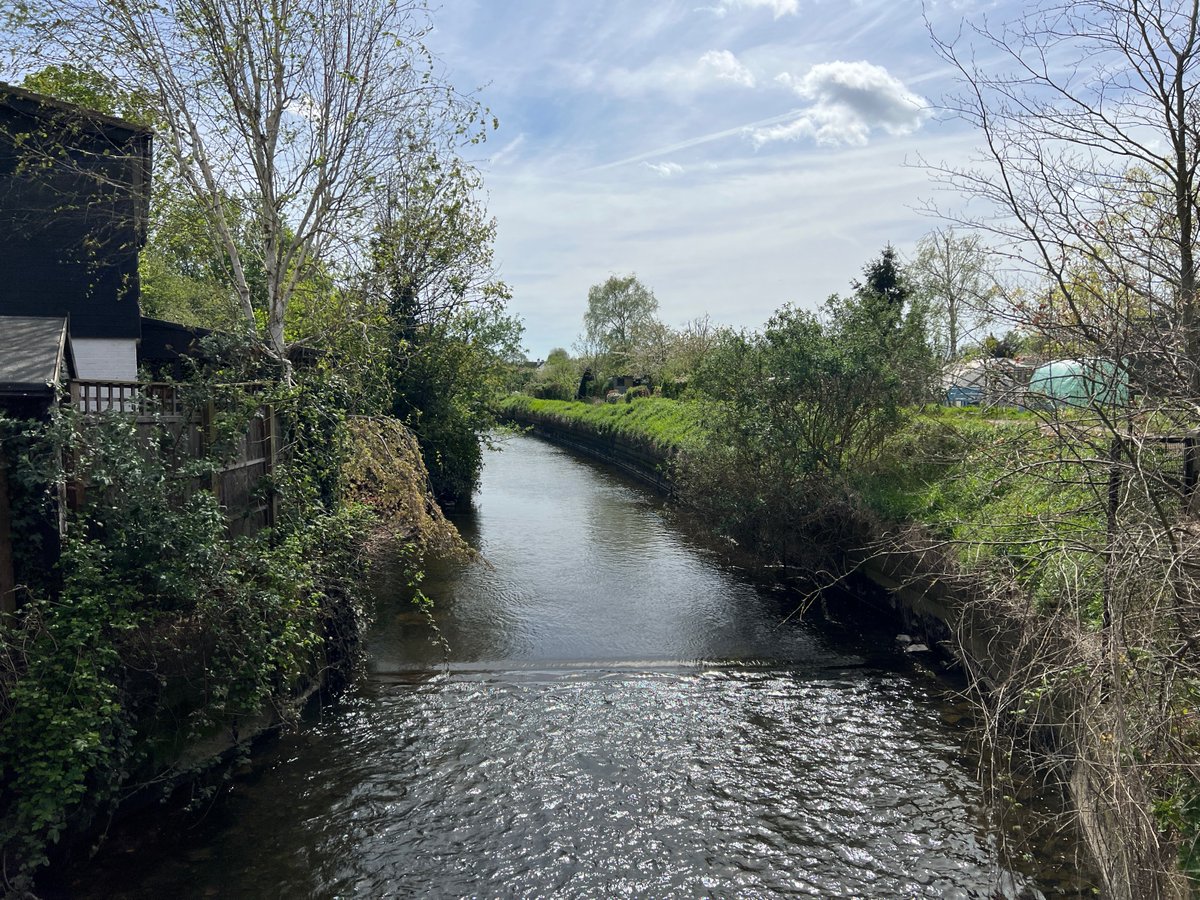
{"points": [[998, 491], [364, 238], [149, 601], [383, 470], [155, 629]]}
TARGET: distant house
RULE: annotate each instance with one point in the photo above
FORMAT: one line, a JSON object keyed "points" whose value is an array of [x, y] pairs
{"points": [[74, 206]]}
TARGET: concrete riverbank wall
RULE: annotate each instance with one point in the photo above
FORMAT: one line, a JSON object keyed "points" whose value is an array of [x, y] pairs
{"points": [[639, 459]]}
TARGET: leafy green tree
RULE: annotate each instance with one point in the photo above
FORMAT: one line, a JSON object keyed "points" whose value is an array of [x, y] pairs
{"points": [[433, 237], [795, 407], [557, 378], [885, 326], [621, 313], [1007, 347], [446, 392], [670, 356], [185, 272], [433, 289], [812, 392], [92, 90]]}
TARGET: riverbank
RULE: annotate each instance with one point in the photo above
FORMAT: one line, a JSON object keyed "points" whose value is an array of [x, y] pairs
{"points": [[639, 438], [172, 644], [920, 520], [646, 437], [984, 532], [605, 704]]}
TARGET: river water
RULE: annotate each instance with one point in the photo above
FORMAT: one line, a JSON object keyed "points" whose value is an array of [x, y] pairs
{"points": [[605, 708]]}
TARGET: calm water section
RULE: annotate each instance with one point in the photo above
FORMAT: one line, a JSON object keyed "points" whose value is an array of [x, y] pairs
{"points": [[615, 711]]}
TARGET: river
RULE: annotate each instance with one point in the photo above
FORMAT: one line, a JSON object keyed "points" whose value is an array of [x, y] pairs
{"points": [[607, 707]]}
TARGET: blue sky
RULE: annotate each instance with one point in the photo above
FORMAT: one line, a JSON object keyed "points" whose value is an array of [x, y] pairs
{"points": [[735, 154]]}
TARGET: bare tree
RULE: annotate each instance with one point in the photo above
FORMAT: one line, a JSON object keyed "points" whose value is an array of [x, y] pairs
{"points": [[289, 108], [1089, 153], [955, 274], [1090, 144]]}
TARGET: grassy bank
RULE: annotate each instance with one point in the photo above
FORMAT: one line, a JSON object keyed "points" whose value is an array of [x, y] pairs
{"points": [[950, 470], [999, 491], [669, 425]]}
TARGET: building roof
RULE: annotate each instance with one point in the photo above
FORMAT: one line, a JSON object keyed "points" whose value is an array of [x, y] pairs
{"points": [[164, 341], [34, 354], [29, 101]]}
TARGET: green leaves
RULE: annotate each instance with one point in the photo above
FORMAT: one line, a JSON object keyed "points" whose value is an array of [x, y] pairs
{"points": [[619, 314], [818, 391], [159, 617]]}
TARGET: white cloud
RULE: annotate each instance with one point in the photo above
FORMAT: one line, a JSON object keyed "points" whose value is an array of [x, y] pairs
{"points": [[736, 242], [724, 66], [778, 7], [848, 100], [664, 76], [665, 169]]}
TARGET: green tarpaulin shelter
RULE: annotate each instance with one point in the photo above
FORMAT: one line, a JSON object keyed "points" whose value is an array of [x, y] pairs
{"points": [[1081, 382]]}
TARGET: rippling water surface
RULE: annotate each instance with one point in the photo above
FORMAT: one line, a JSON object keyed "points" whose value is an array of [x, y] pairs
{"points": [[619, 713]]}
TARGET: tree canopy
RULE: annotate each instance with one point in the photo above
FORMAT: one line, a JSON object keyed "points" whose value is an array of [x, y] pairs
{"points": [[620, 312]]}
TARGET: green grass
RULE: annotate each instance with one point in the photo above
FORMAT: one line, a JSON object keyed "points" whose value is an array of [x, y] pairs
{"points": [[669, 425], [999, 489]]}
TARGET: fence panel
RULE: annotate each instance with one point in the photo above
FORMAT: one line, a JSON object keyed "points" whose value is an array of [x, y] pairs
{"points": [[182, 433]]}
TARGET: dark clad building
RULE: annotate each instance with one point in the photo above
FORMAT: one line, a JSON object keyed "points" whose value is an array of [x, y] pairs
{"points": [[74, 204]]}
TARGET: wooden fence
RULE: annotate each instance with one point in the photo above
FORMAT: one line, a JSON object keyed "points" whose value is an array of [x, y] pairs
{"points": [[240, 483]]}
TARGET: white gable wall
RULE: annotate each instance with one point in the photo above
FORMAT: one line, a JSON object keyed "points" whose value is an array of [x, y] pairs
{"points": [[105, 359]]}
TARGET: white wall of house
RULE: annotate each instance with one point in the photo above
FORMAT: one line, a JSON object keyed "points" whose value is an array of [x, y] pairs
{"points": [[105, 359]]}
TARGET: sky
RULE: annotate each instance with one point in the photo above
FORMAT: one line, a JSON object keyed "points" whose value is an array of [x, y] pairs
{"points": [[735, 154]]}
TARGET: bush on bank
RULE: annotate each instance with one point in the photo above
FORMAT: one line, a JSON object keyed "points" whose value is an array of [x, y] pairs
{"points": [[157, 630]]}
